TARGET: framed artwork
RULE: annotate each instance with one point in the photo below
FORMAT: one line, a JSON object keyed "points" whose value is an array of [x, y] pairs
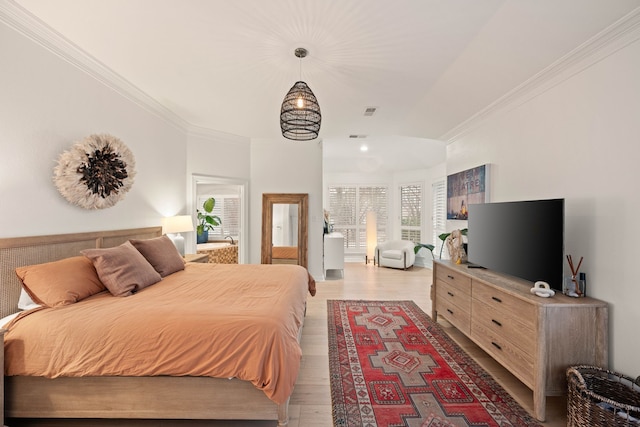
{"points": [[465, 188]]}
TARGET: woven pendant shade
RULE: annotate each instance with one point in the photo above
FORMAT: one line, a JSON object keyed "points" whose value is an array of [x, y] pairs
{"points": [[300, 114]]}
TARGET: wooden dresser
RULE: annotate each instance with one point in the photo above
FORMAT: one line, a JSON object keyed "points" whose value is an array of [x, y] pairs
{"points": [[535, 338]]}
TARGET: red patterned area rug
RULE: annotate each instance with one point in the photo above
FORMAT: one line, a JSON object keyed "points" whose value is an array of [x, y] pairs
{"points": [[391, 365]]}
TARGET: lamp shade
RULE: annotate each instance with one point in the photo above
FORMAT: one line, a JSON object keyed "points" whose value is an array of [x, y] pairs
{"points": [[177, 224], [372, 234], [300, 116]]}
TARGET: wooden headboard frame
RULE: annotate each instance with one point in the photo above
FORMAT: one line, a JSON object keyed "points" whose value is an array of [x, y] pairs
{"points": [[20, 251]]}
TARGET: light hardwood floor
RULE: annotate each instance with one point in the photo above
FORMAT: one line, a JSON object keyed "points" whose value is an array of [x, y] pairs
{"points": [[310, 404], [311, 401]]}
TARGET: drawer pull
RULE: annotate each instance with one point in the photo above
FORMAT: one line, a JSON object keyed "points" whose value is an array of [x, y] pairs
{"points": [[450, 276], [496, 345], [450, 312], [496, 322], [496, 299], [450, 293]]}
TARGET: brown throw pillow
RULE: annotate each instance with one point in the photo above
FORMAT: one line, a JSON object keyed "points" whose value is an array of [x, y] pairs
{"points": [[122, 269], [161, 254], [61, 282]]}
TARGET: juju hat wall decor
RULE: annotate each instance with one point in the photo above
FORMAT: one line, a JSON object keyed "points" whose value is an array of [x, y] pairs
{"points": [[96, 172]]}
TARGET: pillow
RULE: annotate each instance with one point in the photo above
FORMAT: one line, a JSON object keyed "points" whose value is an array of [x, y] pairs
{"points": [[161, 253], [60, 282], [122, 269], [25, 302]]}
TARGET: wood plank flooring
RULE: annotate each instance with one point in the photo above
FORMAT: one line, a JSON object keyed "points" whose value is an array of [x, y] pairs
{"points": [[310, 404]]}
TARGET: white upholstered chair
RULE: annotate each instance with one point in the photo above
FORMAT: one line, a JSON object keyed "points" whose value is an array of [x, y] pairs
{"points": [[396, 254]]}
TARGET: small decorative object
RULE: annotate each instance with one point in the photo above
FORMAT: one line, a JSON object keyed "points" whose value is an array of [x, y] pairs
{"points": [[300, 116], [206, 221], [455, 246], [574, 286], [327, 219], [542, 289], [444, 237], [96, 172]]}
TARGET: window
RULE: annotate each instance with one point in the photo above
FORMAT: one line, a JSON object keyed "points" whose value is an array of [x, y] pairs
{"points": [[348, 207], [411, 212], [439, 212], [228, 209]]}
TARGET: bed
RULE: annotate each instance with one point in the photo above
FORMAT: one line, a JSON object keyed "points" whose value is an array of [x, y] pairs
{"points": [[127, 391]]}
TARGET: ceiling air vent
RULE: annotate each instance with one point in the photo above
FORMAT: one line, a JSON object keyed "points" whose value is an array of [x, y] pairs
{"points": [[370, 111], [354, 136]]}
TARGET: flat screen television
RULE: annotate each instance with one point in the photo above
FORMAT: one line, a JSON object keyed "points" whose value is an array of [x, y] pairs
{"points": [[522, 239]]}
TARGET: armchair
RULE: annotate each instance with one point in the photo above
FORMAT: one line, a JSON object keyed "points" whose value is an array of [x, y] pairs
{"points": [[396, 254]]}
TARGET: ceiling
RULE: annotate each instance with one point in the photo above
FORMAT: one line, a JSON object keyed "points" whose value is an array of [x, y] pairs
{"points": [[427, 65]]}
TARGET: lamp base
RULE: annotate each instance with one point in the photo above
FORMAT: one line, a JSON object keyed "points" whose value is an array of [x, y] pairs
{"points": [[178, 242]]}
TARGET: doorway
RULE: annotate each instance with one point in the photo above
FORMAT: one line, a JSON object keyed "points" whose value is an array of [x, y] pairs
{"points": [[234, 194]]}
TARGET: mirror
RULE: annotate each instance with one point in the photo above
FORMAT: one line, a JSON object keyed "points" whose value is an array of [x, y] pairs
{"points": [[284, 229]]}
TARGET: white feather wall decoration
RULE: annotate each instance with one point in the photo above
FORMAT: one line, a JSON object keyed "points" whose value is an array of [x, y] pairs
{"points": [[96, 172]]}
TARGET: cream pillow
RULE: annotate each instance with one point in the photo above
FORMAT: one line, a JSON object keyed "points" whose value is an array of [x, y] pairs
{"points": [[122, 269]]}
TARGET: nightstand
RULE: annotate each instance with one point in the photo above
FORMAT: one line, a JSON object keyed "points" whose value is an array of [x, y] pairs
{"points": [[203, 258]]}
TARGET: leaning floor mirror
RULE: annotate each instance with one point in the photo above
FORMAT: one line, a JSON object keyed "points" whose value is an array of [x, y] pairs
{"points": [[284, 228]]}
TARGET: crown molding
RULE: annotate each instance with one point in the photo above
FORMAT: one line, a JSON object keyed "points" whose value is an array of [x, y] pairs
{"points": [[608, 41], [217, 136], [29, 25]]}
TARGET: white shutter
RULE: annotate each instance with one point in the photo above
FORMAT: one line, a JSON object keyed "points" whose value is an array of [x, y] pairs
{"points": [[348, 206], [439, 212], [411, 212]]}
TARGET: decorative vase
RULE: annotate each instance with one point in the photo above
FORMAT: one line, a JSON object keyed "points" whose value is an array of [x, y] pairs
{"points": [[203, 237]]}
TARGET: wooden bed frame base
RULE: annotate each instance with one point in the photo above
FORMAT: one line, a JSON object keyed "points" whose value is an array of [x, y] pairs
{"points": [[139, 398], [162, 397]]}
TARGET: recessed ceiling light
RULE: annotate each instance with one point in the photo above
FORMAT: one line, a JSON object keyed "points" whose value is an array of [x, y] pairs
{"points": [[364, 148]]}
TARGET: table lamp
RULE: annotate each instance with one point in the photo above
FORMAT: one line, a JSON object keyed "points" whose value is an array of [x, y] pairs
{"points": [[174, 225]]}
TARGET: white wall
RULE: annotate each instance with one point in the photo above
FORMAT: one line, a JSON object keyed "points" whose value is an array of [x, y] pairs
{"points": [[283, 166], [578, 141], [47, 105]]}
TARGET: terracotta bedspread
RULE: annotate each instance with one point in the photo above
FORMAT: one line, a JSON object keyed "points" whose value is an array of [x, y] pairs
{"points": [[210, 320]]}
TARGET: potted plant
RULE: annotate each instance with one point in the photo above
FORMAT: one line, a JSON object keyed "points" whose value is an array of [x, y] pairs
{"points": [[419, 246], [206, 221]]}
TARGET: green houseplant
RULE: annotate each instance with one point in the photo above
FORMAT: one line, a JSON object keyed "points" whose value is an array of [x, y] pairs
{"points": [[419, 246], [206, 221]]}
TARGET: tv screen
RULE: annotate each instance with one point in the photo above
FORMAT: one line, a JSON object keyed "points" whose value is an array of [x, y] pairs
{"points": [[523, 239]]}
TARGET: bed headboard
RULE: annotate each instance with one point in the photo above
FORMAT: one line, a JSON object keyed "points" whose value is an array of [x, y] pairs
{"points": [[20, 251]]}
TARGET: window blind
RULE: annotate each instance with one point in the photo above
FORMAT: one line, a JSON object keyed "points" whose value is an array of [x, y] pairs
{"points": [[439, 211], [348, 207], [411, 212]]}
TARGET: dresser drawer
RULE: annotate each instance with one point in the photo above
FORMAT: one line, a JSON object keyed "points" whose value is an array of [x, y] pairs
{"points": [[517, 361], [504, 325], [454, 279], [457, 316], [499, 301], [451, 294]]}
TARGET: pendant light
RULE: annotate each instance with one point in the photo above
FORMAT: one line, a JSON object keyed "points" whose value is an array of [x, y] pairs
{"points": [[300, 113]]}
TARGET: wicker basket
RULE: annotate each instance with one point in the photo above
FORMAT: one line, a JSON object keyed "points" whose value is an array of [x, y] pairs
{"points": [[598, 397]]}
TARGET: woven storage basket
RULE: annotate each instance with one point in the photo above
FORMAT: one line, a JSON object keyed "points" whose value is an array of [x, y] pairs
{"points": [[598, 397]]}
